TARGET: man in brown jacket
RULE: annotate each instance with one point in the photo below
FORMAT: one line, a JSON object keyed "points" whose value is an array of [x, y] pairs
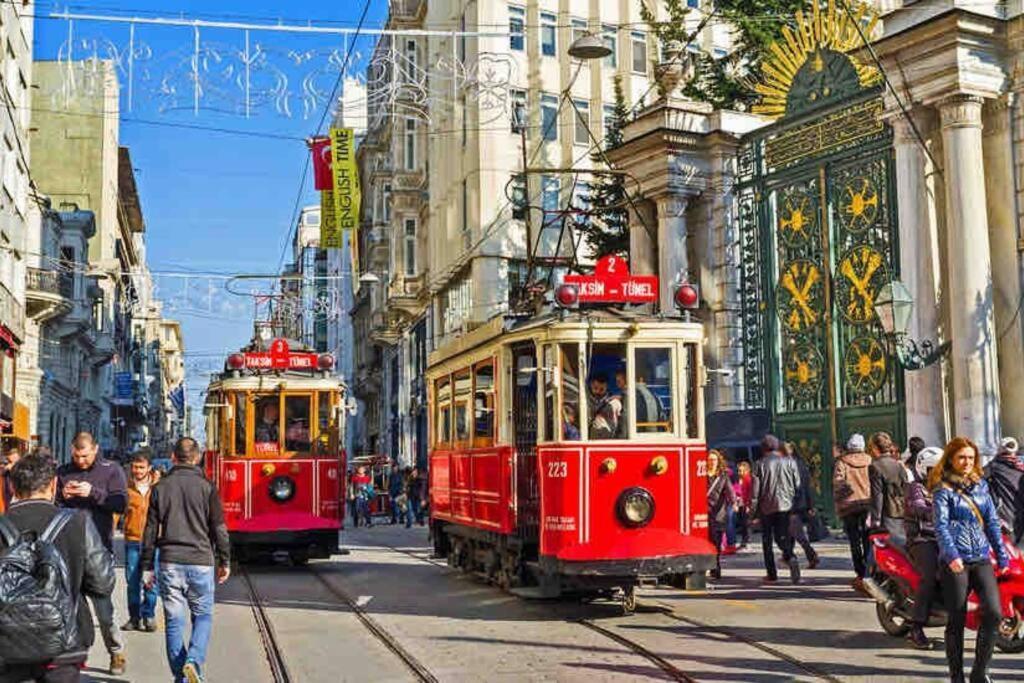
{"points": [[851, 487], [141, 600]]}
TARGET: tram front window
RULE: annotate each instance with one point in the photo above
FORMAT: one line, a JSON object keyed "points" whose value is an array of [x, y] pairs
{"points": [[606, 387], [653, 391], [296, 417], [268, 424]]}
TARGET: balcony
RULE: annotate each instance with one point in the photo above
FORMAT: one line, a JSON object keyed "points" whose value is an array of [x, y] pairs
{"points": [[407, 10], [48, 293]]}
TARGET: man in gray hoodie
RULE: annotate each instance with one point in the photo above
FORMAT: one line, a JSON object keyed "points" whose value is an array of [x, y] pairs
{"points": [[776, 480]]}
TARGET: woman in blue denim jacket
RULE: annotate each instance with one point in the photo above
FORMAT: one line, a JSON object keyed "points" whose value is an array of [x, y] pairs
{"points": [[967, 530]]}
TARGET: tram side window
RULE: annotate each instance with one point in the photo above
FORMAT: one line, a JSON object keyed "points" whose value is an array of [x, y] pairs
{"points": [[240, 421], [268, 424], [444, 412], [606, 389], [296, 417], [550, 393], [570, 392], [689, 391], [652, 394], [483, 404], [323, 419], [463, 387]]}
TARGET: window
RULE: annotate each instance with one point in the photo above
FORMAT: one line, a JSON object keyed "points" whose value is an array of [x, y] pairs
{"points": [[550, 394], [443, 426], [609, 122], [387, 202], [517, 193], [579, 29], [410, 144], [548, 33], [550, 188], [652, 395], [688, 394], [465, 213], [719, 53], [463, 386], [267, 431], [516, 28], [611, 42], [581, 201], [323, 418], [549, 117], [410, 246], [410, 56], [570, 374], [605, 384], [518, 111], [483, 404], [639, 42], [581, 130], [296, 423], [695, 4], [240, 421]]}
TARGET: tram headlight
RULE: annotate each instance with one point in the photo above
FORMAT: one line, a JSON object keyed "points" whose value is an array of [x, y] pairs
{"points": [[282, 489], [636, 507]]}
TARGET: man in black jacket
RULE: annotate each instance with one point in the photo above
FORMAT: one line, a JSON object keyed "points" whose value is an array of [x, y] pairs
{"points": [[94, 484], [776, 479], [186, 523], [90, 565], [888, 480], [1004, 475]]}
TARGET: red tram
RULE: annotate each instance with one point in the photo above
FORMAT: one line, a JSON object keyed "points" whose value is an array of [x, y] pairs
{"points": [[537, 477], [274, 428]]}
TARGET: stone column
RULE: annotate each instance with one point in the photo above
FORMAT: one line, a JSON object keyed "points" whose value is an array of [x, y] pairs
{"points": [[1006, 266], [643, 227], [919, 270], [673, 263], [974, 353]]}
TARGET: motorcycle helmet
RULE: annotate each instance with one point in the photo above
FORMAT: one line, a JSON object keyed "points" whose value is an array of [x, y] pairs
{"points": [[927, 459]]}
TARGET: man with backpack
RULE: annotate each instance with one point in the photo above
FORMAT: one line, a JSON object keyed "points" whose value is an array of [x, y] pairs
{"points": [[47, 640]]}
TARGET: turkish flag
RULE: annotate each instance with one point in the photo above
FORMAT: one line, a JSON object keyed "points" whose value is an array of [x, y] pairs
{"points": [[323, 176]]}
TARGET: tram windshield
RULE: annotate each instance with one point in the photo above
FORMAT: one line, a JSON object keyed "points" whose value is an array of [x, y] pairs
{"points": [[263, 424]]}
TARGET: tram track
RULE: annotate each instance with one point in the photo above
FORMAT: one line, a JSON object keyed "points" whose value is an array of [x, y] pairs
{"points": [[275, 656]]}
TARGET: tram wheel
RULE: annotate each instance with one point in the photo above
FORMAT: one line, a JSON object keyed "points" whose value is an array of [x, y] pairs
{"points": [[299, 559], [629, 600]]}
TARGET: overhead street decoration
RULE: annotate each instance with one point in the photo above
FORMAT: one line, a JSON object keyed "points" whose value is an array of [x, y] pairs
{"points": [[613, 283], [346, 188]]}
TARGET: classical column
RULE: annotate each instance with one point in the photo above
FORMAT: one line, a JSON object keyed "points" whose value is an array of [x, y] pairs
{"points": [[643, 227], [1006, 266], [919, 270], [673, 264], [974, 359]]}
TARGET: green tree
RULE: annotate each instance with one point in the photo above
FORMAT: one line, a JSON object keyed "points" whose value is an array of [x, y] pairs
{"points": [[606, 225]]}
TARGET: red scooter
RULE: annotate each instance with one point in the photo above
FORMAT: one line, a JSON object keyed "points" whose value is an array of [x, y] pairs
{"points": [[895, 581]]}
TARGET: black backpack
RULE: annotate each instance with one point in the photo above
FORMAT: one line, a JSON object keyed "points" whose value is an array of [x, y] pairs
{"points": [[38, 612]]}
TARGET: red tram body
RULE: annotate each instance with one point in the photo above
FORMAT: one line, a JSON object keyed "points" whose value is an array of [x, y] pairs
{"points": [[530, 484], [274, 429]]}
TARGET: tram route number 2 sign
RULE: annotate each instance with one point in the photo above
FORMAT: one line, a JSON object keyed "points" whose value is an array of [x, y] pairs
{"points": [[613, 283]]}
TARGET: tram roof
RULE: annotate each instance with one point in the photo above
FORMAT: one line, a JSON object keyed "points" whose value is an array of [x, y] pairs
{"points": [[605, 326], [277, 381]]}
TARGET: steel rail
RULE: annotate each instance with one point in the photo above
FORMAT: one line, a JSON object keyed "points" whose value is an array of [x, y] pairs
{"points": [[670, 669], [275, 657], [418, 669]]}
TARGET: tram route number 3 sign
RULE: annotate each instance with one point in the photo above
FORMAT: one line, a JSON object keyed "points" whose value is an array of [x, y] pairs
{"points": [[613, 283]]}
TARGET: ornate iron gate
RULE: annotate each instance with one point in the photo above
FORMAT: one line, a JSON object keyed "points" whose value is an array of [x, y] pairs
{"points": [[817, 220]]}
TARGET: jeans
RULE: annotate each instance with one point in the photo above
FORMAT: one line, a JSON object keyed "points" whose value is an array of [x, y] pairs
{"points": [[980, 577], [111, 632], [716, 532], [775, 526], [925, 555], [395, 512], [414, 511], [742, 521], [730, 526], [798, 532], [855, 526], [141, 600], [187, 591], [363, 511]]}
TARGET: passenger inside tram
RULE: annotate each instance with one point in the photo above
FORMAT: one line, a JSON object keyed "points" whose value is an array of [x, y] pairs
{"points": [[605, 409], [570, 420], [296, 436]]}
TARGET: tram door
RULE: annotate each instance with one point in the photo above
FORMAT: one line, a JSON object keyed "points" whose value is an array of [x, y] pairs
{"points": [[524, 426]]}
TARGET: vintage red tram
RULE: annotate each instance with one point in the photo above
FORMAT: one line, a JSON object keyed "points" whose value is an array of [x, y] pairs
{"points": [[274, 429], [537, 479]]}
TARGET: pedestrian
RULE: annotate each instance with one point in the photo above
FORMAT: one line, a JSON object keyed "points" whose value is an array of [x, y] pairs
{"points": [[888, 479], [185, 524], [803, 508], [415, 490], [141, 599], [92, 483], [967, 529], [721, 498], [89, 569], [744, 490], [919, 521], [11, 458], [851, 489], [914, 447], [1004, 476], [353, 501], [774, 489], [362, 486], [396, 486]]}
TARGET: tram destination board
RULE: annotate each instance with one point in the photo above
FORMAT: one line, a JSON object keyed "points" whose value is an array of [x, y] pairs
{"points": [[279, 357], [613, 283]]}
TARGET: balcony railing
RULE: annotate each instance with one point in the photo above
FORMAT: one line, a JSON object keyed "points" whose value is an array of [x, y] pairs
{"points": [[50, 282]]}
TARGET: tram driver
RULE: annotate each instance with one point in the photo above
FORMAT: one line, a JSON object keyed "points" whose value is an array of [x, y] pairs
{"points": [[267, 429], [605, 409]]}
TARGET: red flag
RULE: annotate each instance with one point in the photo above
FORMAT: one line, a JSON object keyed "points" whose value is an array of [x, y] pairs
{"points": [[323, 177]]}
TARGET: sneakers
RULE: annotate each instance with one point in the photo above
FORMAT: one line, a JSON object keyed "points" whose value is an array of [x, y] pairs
{"points": [[130, 625], [148, 625], [814, 562], [729, 550], [715, 573], [191, 672], [794, 570], [118, 664], [918, 639], [770, 580]]}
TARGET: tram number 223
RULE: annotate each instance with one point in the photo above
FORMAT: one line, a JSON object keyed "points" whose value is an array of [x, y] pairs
{"points": [[558, 469], [702, 468]]}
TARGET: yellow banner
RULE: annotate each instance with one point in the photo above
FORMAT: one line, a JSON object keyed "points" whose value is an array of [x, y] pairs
{"points": [[346, 184], [330, 236]]}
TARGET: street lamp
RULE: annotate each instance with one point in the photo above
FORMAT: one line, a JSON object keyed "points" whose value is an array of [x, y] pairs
{"points": [[893, 306], [588, 46], [368, 278]]}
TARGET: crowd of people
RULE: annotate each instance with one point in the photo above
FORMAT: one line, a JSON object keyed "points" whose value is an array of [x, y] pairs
{"points": [[59, 522], [948, 511], [407, 495]]}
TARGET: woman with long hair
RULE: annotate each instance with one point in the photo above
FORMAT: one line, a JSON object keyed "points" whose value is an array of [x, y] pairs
{"points": [[967, 530], [721, 498]]}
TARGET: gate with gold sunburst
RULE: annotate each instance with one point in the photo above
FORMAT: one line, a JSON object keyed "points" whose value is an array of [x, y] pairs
{"points": [[817, 224]]}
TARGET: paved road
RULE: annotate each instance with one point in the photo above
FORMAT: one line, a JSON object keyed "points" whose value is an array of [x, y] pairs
{"points": [[458, 629]]}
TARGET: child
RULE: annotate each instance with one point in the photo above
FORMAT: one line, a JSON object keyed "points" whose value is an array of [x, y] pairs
{"points": [[743, 488]]}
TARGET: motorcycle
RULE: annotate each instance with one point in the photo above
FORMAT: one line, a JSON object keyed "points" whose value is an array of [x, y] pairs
{"points": [[894, 583]]}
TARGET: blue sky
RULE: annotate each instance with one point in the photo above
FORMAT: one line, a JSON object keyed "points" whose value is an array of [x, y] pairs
{"points": [[213, 201]]}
